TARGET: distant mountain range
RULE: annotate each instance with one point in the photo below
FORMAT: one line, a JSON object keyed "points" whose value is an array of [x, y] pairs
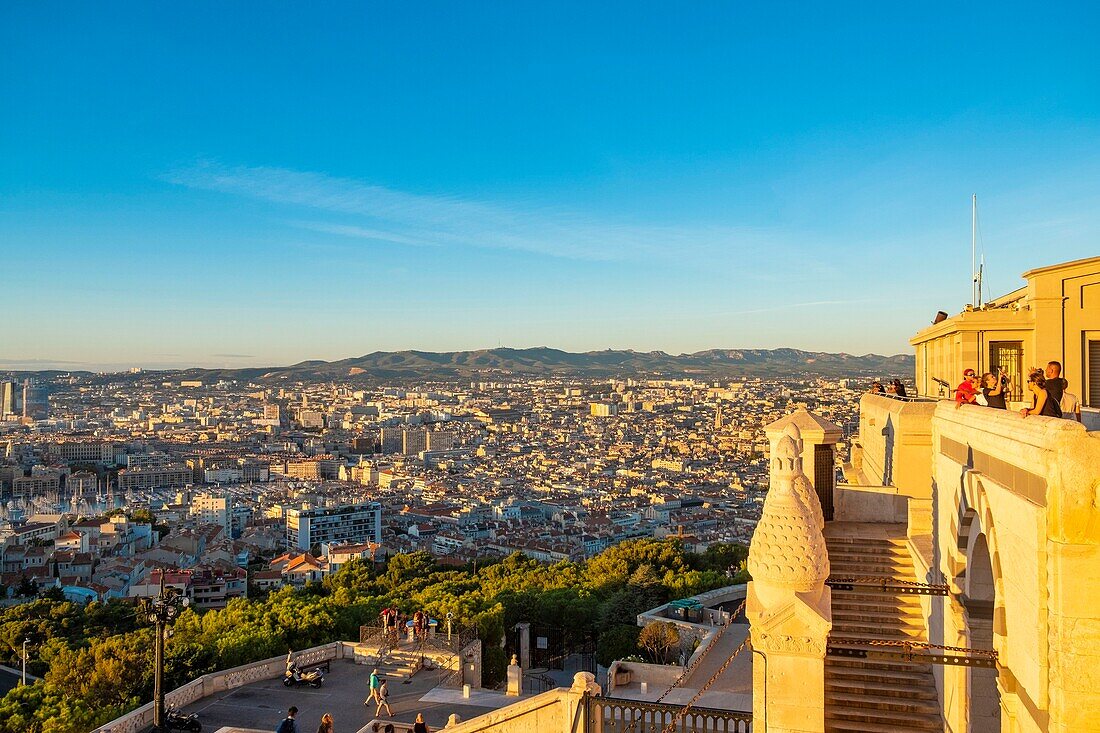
{"points": [[544, 361]]}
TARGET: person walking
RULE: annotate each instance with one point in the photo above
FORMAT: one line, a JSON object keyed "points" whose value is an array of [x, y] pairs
{"points": [[383, 700], [420, 726], [326, 724], [374, 684], [289, 724]]}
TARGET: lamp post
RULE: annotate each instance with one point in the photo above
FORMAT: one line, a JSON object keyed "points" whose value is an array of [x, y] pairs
{"points": [[162, 611], [25, 642], [450, 616]]}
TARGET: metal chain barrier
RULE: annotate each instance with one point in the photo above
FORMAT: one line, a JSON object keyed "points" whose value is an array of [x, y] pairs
{"points": [[725, 665], [694, 665], [884, 581], [713, 642], [909, 645]]}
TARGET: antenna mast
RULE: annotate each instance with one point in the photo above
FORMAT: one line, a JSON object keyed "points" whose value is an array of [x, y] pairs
{"points": [[974, 250]]}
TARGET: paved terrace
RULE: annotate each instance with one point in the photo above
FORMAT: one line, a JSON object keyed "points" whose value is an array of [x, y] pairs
{"points": [[261, 705]]}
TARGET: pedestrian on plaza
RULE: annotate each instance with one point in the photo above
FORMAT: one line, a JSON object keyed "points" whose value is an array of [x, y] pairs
{"points": [[420, 726], [374, 684], [383, 700], [289, 724], [326, 724]]}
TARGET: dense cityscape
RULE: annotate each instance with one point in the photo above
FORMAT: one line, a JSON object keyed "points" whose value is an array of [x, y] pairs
{"points": [[226, 486]]}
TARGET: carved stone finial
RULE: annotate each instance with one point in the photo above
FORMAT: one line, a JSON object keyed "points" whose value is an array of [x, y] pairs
{"points": [[515, 661], [586, 682], [787, 553]]}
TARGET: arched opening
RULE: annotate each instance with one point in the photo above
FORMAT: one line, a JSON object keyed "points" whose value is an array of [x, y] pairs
{"points": [[985, 699]]}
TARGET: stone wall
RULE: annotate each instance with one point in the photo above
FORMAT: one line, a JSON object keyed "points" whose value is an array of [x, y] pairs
{"points": [[1020, 496]]}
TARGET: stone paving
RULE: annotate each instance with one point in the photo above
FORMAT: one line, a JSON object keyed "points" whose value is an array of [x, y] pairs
{"points": [[262, 705]]}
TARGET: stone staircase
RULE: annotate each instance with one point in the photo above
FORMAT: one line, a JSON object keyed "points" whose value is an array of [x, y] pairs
{"points": [[393, 664], [870, 695]]}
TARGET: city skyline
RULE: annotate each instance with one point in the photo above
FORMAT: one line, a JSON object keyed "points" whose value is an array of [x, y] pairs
{"points": [[217, 188]]}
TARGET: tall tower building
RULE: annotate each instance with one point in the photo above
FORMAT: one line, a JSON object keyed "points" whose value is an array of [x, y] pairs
{"points": [[718, 417], [7, 398]]}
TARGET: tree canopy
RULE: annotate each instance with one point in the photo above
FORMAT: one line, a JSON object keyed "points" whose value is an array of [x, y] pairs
{"points": [[96, 660]]}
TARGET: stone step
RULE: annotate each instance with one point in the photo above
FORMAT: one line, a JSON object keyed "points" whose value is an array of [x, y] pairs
{"points": [[874, 594], [843, 675], [878, 614], [857, 566], [848, 552], [885, 687], [858, 726], [878, 667], [894, 719], [868, 630], [866, 543], [881, 703], [843, 636]]}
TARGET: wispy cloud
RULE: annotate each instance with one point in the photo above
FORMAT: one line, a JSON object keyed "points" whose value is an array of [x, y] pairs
{"points": [[384, 215], [35, 362], [235, 356]]}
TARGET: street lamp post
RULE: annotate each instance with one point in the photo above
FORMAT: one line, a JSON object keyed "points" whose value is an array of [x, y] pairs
{"points": [[25, 642], [162, 611]]}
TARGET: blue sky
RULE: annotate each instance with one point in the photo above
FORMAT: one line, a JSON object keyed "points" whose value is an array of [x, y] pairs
{"points": [[246, 184]]}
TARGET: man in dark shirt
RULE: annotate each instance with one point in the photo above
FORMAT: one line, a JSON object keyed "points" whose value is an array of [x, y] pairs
{"points": [[1055, 384], [289, 724]]}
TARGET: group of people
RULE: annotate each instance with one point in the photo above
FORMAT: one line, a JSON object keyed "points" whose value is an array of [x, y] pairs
{"points": [[379, 693], [1047, 389], [394, 622], [289, 724], [894, 389]]}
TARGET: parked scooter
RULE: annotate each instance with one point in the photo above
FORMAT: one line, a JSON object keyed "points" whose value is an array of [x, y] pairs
{"points": [[296, 677], [175, 720]]}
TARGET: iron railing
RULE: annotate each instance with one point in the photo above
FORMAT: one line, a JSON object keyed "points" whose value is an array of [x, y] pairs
{"points": [[616, 715]]}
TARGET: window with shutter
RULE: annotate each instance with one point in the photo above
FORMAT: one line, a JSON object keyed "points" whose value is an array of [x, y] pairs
{"points": [[1094, 374]]}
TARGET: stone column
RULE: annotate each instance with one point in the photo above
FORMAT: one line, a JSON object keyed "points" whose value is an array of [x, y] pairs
{"points": [[515, 678], [788, 604], [524, 645]]}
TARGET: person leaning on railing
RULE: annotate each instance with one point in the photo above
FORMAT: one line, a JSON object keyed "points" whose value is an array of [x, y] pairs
{"points": [[1042, 402]]}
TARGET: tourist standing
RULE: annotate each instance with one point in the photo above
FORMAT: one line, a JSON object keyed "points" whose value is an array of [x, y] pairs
{"points": [[326, 724], [420, 726], [899, 388], [993, 389]]}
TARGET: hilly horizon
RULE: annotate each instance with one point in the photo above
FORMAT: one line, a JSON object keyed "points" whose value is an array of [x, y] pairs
{"points": [[547, 361]]}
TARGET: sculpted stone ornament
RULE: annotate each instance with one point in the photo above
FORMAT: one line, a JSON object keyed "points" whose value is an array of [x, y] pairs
{"points": [[788, 644], [787, 552]]}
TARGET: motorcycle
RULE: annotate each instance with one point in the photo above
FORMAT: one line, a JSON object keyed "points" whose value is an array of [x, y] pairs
{"points": [[296, 677], [175, 720]]}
